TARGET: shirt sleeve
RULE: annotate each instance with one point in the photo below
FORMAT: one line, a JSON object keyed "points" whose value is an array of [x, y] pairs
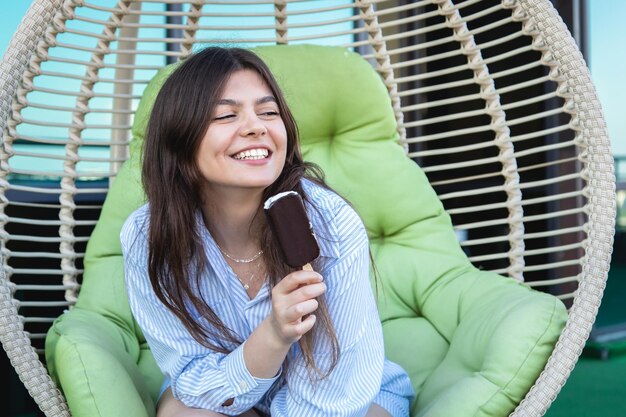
{"points": [[350, 388], [199, 376]]}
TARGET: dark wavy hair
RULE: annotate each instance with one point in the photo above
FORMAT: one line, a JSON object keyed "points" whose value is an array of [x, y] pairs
{"points": [[172, 180]]}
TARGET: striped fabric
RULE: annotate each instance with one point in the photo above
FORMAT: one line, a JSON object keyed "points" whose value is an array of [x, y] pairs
{"points": [[205, 379]]}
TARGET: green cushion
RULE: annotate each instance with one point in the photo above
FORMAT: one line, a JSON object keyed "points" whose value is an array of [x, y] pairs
{"points": [[472, 341]]}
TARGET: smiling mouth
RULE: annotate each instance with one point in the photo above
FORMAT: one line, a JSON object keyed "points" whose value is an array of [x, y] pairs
{"points": [[252, 154]]}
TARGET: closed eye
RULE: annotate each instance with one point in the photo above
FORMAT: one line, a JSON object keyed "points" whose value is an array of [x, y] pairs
{"points": [[224, 117]]}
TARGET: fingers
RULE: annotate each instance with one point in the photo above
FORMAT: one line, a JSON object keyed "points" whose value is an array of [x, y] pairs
{"points": [[297, 288], [297, 311], [293, 302], [291, 332], [307, 292], [305, 325], [300, 302], [297, 279], [297, 303]]}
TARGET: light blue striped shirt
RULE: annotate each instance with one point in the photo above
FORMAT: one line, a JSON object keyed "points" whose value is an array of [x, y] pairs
{"points": [[203, 378]]}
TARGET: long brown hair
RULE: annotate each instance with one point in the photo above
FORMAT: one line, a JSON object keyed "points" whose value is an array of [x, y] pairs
{"points": [[173, 182]]}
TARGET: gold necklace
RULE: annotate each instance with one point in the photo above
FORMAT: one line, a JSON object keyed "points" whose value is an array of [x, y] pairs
{"points": [[240, 261], [246, 286]]}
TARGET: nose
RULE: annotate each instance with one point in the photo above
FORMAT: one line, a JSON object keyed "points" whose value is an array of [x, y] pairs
{"points": [[253, 127]]}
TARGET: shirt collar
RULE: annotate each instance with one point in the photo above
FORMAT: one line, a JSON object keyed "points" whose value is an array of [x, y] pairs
{"points": [[325, 232], [328, 249]]}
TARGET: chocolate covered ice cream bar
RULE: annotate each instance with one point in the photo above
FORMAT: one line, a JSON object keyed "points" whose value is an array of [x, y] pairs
{"points": [[292, 229]]}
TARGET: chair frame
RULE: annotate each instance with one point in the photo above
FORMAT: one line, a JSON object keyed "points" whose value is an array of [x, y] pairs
{"points": [[539, 21]]}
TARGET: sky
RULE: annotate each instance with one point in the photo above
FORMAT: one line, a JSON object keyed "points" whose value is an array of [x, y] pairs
{"points": [[607, 63], [9, 21], [606, 58]]}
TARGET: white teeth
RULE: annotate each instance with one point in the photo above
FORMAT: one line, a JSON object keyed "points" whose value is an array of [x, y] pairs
{"points": [[258, 153]]}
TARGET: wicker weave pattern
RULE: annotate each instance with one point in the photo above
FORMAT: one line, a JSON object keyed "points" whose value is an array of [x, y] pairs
{"points": [[591, 137], [481, 89], [502, 139], [23, 357]]}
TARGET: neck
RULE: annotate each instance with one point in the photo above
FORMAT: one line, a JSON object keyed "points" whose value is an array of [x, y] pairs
{"points": [[234, 221]]}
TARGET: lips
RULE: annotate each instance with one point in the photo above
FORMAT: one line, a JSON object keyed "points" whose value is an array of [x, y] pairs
{"points": [[252, 154]]}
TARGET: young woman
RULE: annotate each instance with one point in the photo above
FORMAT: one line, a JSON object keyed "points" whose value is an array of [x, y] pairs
{"points": [[233, 328]]}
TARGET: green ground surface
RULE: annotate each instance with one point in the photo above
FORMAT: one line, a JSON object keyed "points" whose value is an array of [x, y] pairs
{"points": [[596, 387]]}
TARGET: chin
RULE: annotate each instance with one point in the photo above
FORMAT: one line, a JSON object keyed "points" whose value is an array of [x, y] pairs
{"points": [[259, 183], [265, 181]]}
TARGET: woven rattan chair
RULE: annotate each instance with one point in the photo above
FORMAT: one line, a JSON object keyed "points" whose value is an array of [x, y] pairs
{"points": [[492, 98]]}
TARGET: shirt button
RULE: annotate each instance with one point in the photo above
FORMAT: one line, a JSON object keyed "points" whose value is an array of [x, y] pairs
{"points": [[243, 385]]}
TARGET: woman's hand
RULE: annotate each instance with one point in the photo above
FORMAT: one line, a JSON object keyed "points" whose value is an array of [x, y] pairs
{"points": [[293, 302]]}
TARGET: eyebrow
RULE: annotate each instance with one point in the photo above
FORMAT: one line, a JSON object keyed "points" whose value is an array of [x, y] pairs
{"points": [[230, 102]]}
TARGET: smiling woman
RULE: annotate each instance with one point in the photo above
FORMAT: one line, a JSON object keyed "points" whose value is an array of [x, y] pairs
{"points": [[222, 302]]}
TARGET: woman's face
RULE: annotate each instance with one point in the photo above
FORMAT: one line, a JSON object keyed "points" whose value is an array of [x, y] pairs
{"points": [[246, 142]]}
